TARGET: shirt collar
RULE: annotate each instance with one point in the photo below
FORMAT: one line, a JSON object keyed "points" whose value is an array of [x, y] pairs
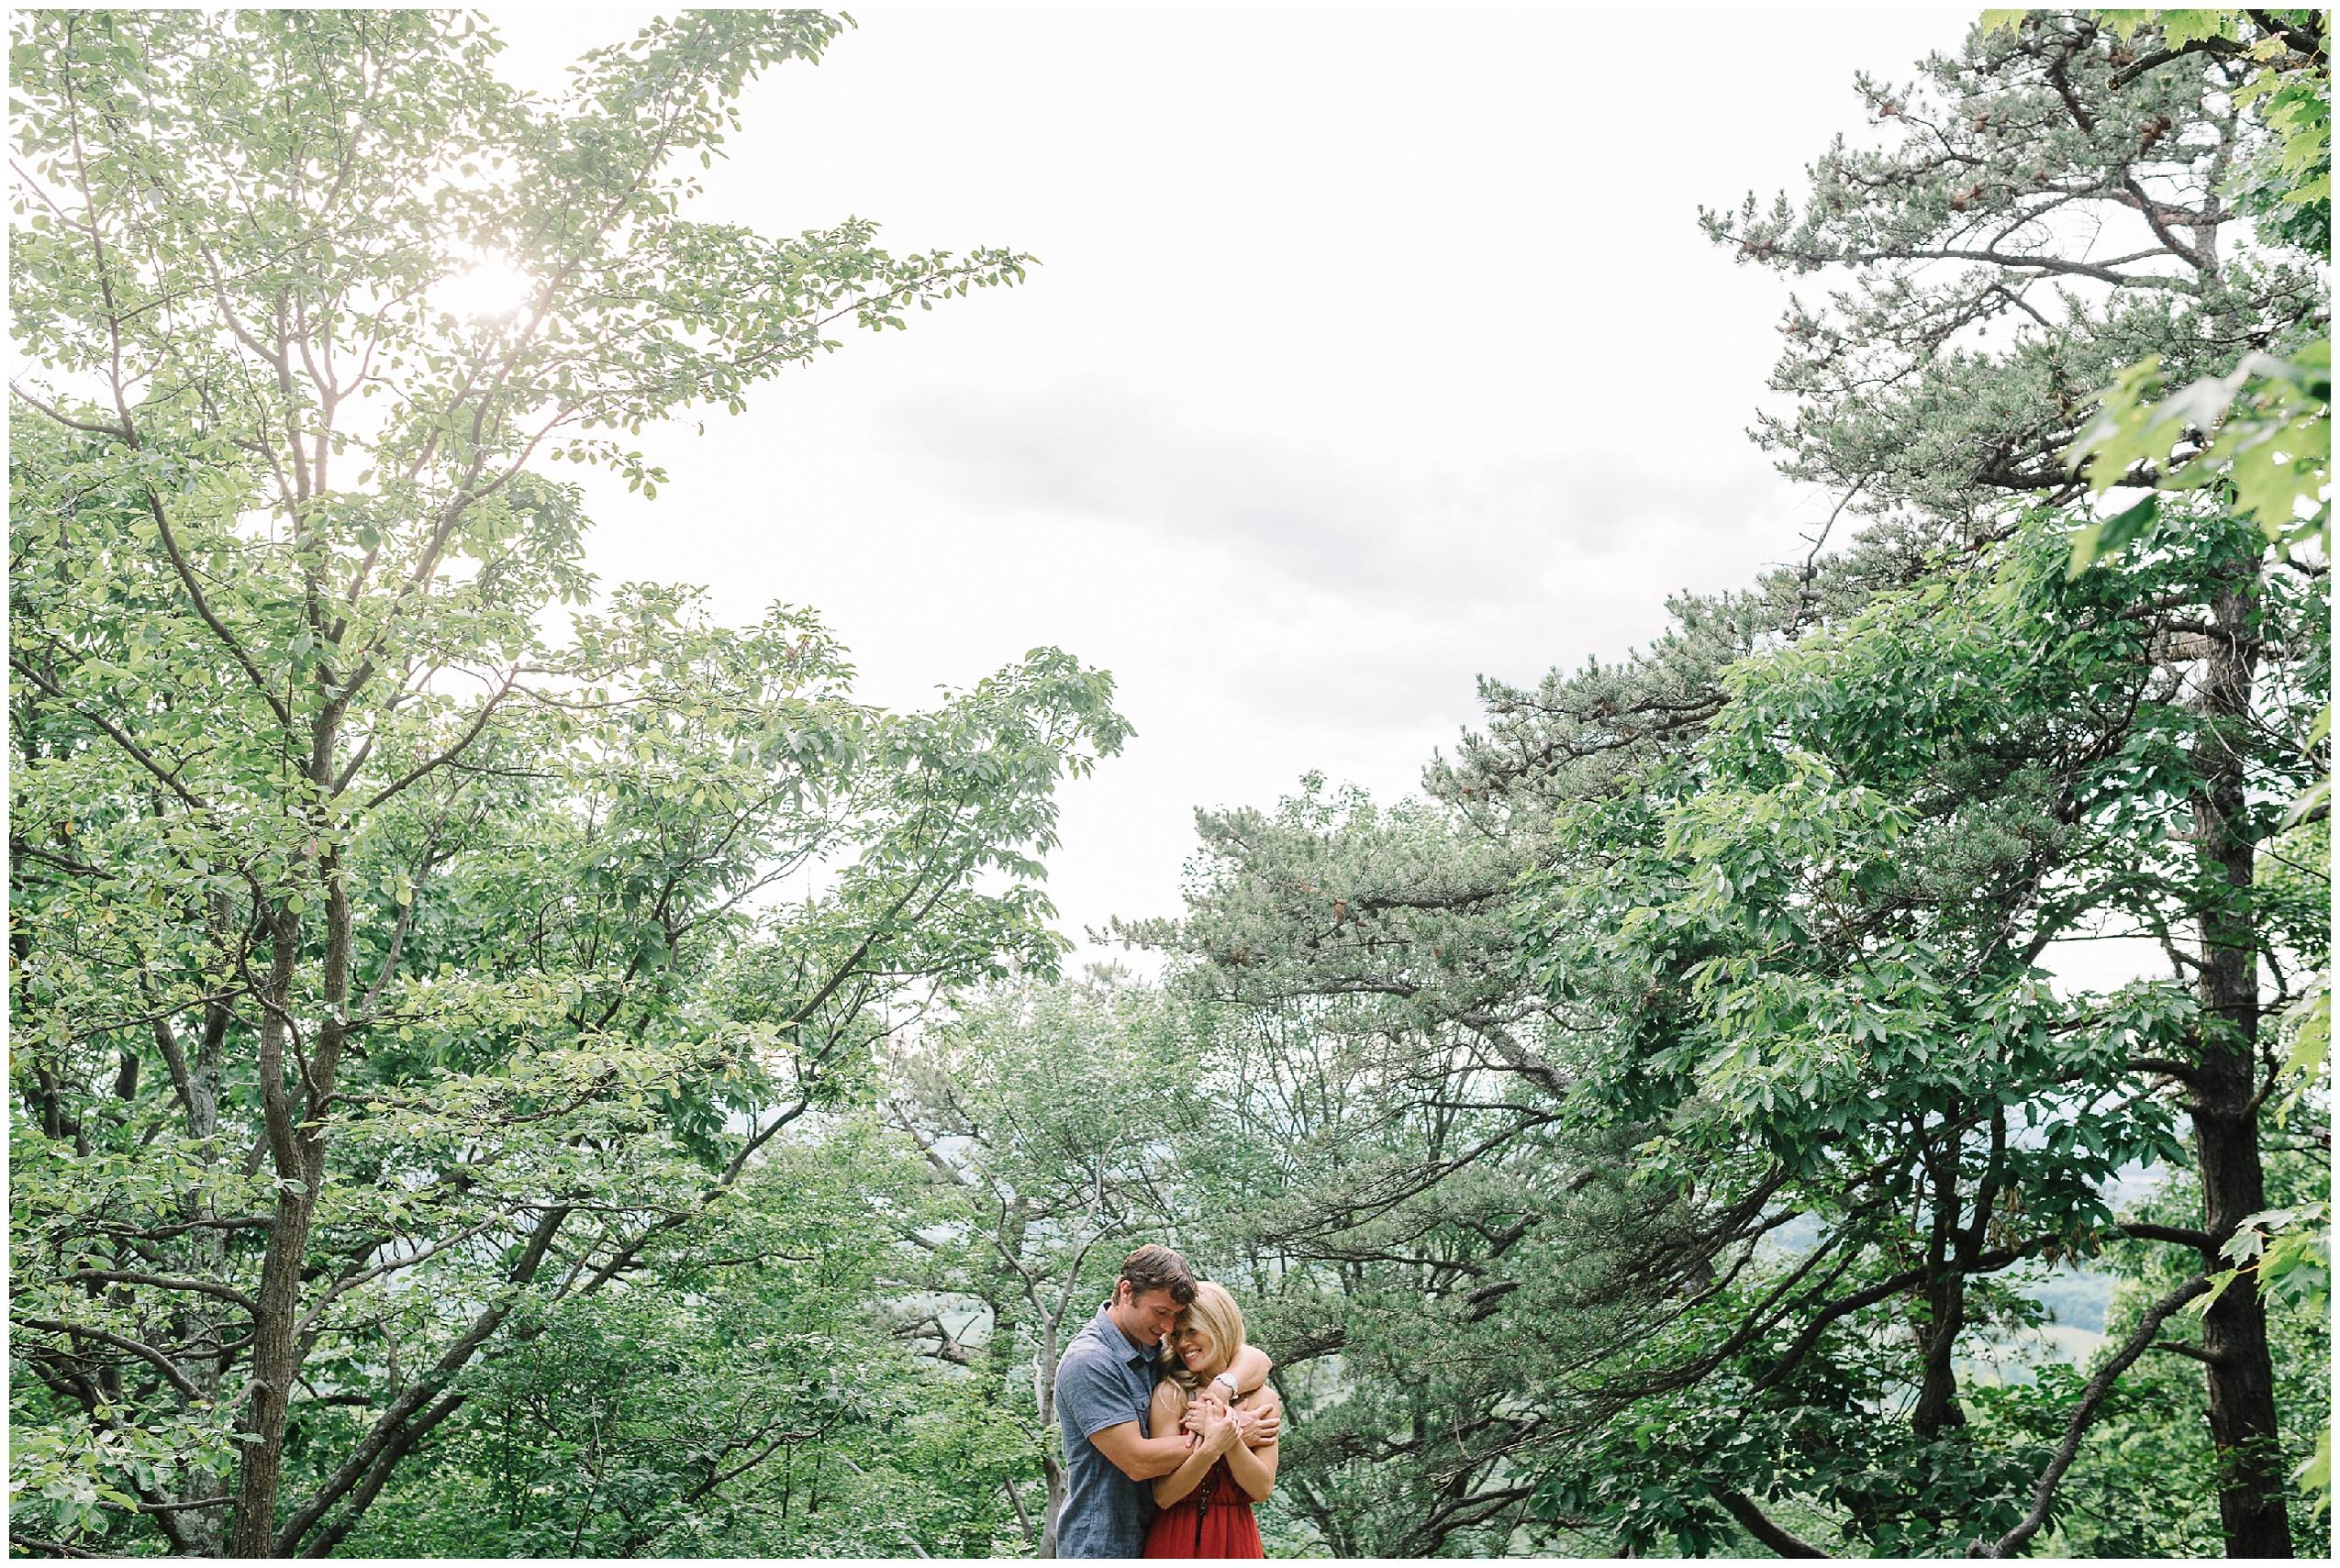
{"points": [[1110, 1332]]}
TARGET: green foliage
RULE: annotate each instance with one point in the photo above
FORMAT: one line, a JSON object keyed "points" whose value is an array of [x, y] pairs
{"points": [[400, 985], [66, 1470], [2262, 435], [2272, 447], [1776, 960], [743, 1399], [1381, 1180], [2288, 185], [2282, 1255], [2147, 1481]]}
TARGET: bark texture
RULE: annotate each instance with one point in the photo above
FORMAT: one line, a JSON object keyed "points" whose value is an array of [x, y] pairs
{"points": [[2223, 1097]]}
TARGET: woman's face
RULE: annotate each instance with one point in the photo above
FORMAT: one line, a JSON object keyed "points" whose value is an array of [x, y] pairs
{"points": [[1194, 1347]]}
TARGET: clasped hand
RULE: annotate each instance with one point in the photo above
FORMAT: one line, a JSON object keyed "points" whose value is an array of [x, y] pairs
{"points": [[1210, 1424]]}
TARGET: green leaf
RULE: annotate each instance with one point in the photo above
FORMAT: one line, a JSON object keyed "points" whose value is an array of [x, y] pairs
{"points": [[2312, 1042], [2094, 540], [2315, 1474], [2179, 28]]}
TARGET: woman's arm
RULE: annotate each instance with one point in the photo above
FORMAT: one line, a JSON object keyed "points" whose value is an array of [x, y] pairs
{"points": [[1168, 1408], [1217, 1436], [1254, 1468]]}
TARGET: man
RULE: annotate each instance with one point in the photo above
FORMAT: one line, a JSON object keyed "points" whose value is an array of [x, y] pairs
{"points": [[1104, 1389]]}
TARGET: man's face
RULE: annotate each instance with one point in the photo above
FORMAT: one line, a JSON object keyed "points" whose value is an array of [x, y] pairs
{"points": [[1146, 1316]]}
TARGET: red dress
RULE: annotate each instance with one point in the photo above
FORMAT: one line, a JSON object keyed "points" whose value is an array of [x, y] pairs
{"points": [[1213, 1520]]}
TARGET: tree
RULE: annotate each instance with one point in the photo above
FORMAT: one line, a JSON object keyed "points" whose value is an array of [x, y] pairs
{"points": [[2146, 1481], [2013, 157], [1795, 869], [1961, 224], [744, 1398], [1743, 855], [1797, 866], [1817, 930], [360, 928], [2260, 438]]}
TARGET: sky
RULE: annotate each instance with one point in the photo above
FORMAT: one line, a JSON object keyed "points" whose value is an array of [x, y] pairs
{"points": [[1370, 352]]}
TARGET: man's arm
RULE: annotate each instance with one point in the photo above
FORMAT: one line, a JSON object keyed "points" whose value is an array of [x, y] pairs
{"points": [[1251, 1459], [1139, 1457], [1092, 1403], [1249, 1371]]}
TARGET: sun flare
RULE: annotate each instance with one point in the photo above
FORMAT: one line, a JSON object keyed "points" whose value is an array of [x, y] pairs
{"points": [[492, 291]]}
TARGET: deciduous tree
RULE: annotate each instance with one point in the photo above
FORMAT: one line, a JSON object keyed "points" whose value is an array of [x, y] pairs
{"points": [[366, 928]]}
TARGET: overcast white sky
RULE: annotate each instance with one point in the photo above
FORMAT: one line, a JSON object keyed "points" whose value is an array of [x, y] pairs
{"points": [[1371, 352]]}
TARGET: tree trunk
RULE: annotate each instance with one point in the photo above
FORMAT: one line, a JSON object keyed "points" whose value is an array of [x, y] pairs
{"points": [[1044, 1379], [1937, 1407], [275, 1347], [298, 1141], [1053, 1470], [201, 1530], [2222, 1100]]}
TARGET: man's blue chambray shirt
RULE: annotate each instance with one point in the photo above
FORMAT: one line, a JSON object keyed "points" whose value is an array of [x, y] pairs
{"points": [[1102, 1382]]}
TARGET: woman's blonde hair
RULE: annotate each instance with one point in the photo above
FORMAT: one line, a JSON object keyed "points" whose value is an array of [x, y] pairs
{"points": [[1214, 1314]]}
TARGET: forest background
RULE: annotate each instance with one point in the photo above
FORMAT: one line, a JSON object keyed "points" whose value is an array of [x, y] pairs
{"points": [[503, 1065]]}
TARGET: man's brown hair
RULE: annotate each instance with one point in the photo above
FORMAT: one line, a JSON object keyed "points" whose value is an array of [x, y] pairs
{"points": [[1153, 1267]]}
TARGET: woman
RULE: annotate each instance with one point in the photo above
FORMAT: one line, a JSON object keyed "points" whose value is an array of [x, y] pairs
{"points": [[1207, 1502]]}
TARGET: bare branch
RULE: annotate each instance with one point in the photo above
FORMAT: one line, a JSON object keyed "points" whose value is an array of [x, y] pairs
{"points": [[146, 1352], [2083, 1414], [1743, 1508]]}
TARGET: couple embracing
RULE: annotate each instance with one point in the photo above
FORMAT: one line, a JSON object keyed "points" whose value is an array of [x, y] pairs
{"points": [[1169, 1435]]}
